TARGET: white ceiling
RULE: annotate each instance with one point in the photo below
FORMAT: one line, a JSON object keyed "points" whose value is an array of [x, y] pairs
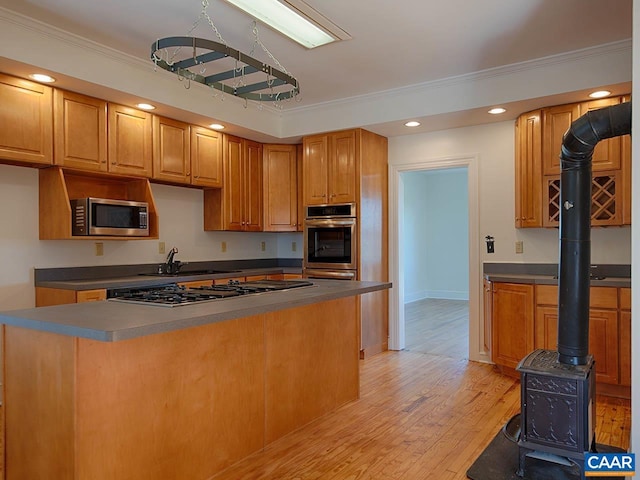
{"points": [[396, 47]]}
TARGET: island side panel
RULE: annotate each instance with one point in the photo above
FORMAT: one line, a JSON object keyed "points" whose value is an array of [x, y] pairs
{"points": [[312, 368], [39, 404], [180, 405]]}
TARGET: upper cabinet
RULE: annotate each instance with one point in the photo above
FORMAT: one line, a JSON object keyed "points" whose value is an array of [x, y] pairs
{"points": [[330, 169], [280, 188], [130, 143], [26, 112], [206, 157], [538, 141], [528, 186], [80, 131], [238, 205], [171, 150]]}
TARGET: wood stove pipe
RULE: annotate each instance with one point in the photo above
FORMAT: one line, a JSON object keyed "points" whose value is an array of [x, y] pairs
{"points": [[575, 225]]}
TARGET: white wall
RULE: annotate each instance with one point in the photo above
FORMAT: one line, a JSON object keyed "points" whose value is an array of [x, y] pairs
{"points": [[494, 146], [181, 225], [435, 240]]}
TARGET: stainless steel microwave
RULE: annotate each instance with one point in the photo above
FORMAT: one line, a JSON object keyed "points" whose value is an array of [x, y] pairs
{"points": [[102, 216]]}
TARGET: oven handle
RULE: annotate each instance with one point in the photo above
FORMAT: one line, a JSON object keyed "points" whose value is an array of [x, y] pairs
{"points": [[333, 274], [333, 222]]}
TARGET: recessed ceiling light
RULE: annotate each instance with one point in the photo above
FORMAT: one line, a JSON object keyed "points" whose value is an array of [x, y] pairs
{"points": [[295, 19], [41, 77], [497, 111], [412, 123], [600, 94], [216, 126], [146, 106]]}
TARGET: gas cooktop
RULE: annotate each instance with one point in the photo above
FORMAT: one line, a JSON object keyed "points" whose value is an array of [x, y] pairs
{"points": [[173, 295]]}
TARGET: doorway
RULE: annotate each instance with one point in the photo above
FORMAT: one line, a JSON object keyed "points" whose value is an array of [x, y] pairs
{"points": [[435, 243], [397, 340]]}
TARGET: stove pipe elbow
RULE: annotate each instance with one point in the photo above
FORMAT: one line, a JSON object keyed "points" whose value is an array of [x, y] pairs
{"points": [[575, 225]]}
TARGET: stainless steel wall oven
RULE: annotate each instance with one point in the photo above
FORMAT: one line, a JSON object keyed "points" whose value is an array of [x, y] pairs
{"points": [[330, 242]]}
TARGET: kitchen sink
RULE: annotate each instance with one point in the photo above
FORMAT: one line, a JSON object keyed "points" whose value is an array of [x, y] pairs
{"points": [[189, 272]]}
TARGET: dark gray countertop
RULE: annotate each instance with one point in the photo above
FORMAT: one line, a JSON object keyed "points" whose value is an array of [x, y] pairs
{"points": [[614, 275], [111, 321], [146, 280]]}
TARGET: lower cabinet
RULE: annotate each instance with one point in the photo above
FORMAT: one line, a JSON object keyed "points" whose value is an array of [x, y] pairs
{"points": [[524, 317], [58, 296], [513, 323]]}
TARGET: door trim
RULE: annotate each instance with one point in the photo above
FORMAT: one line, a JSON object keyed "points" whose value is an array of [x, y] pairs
{"points": [[396, 219]]}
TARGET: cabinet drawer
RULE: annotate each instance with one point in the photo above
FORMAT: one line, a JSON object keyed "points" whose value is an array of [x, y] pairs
{"points": [[599, 297], [91, 295]]}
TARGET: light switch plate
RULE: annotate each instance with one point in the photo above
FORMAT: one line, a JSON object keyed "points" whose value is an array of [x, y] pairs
{"points": [[99, 249], [519, 246]]}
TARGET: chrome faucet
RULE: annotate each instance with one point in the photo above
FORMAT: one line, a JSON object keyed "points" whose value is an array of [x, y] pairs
{"points": [[172, 266]]}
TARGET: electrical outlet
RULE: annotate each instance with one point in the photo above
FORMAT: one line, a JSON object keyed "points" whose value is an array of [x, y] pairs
{"points": [[223, 246], [519, 246], [161, 248], [263, 246], [294, 246], [99, 249]]}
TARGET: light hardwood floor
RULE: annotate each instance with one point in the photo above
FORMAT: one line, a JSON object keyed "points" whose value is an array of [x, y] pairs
{"points": [[419, 416], [437, 326]]}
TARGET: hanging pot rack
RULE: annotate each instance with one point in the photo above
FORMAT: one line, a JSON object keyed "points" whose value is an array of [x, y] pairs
{"points": [[262, 91]]}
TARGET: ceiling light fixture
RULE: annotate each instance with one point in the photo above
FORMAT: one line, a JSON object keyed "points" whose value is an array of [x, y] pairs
{"points": [[216, 126], [295, 19], [497, 110], [145, 106], [192, 60], [600, 94], [41, 77], [412, 123]]}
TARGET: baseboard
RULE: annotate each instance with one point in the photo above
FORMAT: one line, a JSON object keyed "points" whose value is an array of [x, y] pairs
{"points": [[439, 294]]}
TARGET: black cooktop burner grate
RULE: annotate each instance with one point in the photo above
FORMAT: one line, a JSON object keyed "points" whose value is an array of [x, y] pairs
{"points": [[171, 295]]}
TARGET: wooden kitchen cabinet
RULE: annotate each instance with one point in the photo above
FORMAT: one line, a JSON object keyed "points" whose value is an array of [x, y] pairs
{"points": [[513, 323], [238, 205], [603, 327], [80, 131], [280, 188], [528, 186], [130, 141], [57, 187], [206, 157], [487, 304], [171, 150], [537, 167], [57, 296], [26, 116], [625, 337], [330, 168]]}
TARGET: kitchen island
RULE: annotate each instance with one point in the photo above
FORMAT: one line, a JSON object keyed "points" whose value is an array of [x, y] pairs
{"points": [[110, 390]]}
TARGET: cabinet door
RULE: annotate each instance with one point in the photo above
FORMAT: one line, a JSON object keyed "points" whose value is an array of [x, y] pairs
{"points": [[26, 115], [606, 155], [603, 338], [528, 186], [171, 150], [557, 121], [233, 184], [342, 175], [625, 159], [315, 168], [512, 336], [280, 186], [252, 186], [301, 211], [130, 141], [206, 157], [80, 130], [625, 348]]}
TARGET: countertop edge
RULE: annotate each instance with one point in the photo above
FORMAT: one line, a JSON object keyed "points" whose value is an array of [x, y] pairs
{"points": [[623, 282], [75, 323]]}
